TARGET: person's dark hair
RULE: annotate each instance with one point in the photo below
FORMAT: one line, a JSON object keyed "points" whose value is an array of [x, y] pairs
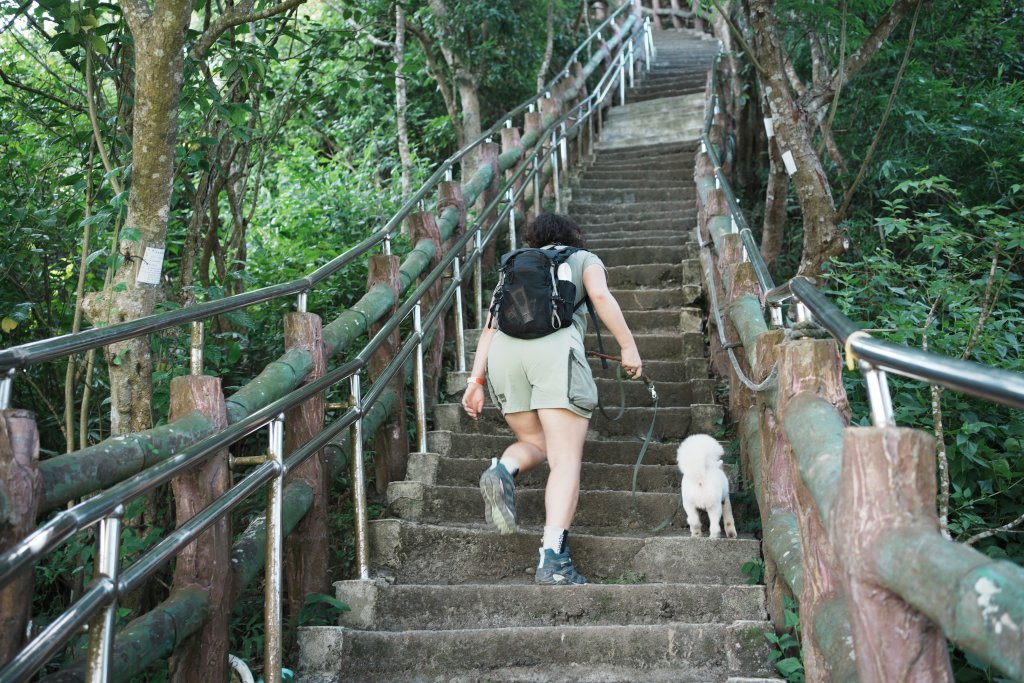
{"points": [[555, 228]]}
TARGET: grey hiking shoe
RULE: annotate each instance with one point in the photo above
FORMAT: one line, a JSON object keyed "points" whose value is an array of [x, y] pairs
{"points": [[499, 491], [557, 569]]}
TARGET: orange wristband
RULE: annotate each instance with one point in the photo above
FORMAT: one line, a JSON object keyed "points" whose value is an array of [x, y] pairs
{"points": [[475, 380]]}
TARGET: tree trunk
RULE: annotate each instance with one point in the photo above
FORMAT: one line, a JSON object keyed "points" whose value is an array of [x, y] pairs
{"points": [[159, 40], [822, 237], [404, 152]]}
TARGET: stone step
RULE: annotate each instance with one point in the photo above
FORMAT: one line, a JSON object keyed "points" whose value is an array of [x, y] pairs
{"points": [[440, 607], [628, 137], [646, 299], [631, 255], [595, 220], [668, 106], [671, 170], [595, 185], [649, 152], [459, 445], [655, 274], [597, 512], [416, 553], [648, 228], [657, 197], [671, 423], [434, 469], [675, 238], [607, 205], [664, 652]]}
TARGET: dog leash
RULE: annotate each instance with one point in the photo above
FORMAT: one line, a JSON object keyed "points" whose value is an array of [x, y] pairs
{"points": [[622, 411]]}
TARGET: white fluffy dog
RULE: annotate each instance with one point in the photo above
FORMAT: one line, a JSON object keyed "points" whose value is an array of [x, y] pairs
{"points": [[705, 486]]}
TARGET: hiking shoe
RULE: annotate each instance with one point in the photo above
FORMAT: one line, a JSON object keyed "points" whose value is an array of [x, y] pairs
{"points": [[499, 491], [556, 569]]}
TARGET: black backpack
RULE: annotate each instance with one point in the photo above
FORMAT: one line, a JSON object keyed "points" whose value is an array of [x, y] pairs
{"points": [[530, 300]]}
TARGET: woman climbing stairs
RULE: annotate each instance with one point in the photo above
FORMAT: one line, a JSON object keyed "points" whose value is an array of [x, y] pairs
{"points": [[451, 599]]}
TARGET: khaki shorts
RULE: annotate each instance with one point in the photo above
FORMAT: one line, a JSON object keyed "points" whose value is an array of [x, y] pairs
{"points": [[549, 372]]}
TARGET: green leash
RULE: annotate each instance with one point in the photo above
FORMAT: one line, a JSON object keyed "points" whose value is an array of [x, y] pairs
{"points": [[650, 430]]}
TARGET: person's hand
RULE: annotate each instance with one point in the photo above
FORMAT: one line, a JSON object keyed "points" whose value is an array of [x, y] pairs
{"points": [[473, 400], [631, 363]]}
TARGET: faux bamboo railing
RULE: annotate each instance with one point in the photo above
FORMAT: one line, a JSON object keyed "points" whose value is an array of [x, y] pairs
{"points": [[848, 513], [287, 397]]}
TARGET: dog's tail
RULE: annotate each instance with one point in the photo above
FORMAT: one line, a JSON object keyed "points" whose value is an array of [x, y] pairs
{"points": [[698, 453]]}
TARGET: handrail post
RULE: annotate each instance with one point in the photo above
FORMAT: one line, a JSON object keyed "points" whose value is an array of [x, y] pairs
{"points": [[419, 381], [198, 340], [648, 44], [478, 279], [272, 639], [510, 198], [101, 628], [553, 153], [632, 62], [460, 330], [879, 398], [563, 145], [6, 385], [301, 301], [359, 481], [622, 78]]}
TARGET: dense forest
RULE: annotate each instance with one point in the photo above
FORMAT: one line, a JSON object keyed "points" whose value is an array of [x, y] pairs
{"points": [[254, 140]]}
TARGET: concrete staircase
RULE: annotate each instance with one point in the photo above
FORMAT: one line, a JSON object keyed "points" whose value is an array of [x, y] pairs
{"points": [[451, 600]]}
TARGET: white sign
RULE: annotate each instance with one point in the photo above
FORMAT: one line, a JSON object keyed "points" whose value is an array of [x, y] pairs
{"points": [[769, 128], [787, 159], [149, 270]]}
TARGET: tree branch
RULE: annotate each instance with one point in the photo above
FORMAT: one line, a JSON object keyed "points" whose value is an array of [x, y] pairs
{"points": [[240, 15], [438, 73], [885, 118], [15, 83], [992, 532], [739, 36]]}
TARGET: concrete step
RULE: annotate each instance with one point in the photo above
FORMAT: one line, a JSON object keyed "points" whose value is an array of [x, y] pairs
{"points": [[671, 170], [646, 299], [653, 197], [672, 422], [615, 229], [655, 274], [671, 183], [598, 511], [631, 255], [668, 106], [610, 451], [434, 469], [652, 153], [601, 209], [416, 553], [676, 651], [595, 220], [424, 607], [675, 238]]}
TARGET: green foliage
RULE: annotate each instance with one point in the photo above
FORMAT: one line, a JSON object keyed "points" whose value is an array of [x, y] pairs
{"points": [[753, 569], [786, 654], [628, 577]]}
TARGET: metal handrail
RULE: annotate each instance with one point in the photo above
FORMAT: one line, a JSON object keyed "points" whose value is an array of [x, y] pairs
{"points": [[876, 356], [106, 508]]}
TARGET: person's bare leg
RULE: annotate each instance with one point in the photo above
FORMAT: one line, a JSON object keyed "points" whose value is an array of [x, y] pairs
{"points": [[529, 450], [564, 433]]}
